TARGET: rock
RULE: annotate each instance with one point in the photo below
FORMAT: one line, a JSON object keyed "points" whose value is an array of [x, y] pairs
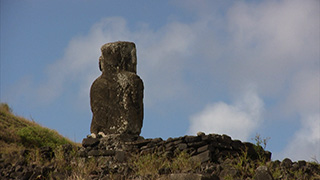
{"points": [[90, 142], [237, 145], [202, 157], [230, 172], [263, 173], [200, 133], [252, 153], [92, 135], [267, 155], [286, 163], [206, 138], [116, 97], [197, 144], [121, 156], [182, 146], [101, 134], [204, 148], [94, 153], [191, 139], [156, 140], [226, 139], [302, 163], [141, 142], [107, 152]]}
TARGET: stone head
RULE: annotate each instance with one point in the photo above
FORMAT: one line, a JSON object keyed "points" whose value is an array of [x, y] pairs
{"points": [[120, 55]]}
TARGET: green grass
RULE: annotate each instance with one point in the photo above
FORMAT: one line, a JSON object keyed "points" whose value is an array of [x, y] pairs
{"points": [[19, 133], [37, 136]]}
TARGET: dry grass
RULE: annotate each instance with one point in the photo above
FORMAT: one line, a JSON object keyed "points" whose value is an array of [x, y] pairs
{"points": [[150, 165]]}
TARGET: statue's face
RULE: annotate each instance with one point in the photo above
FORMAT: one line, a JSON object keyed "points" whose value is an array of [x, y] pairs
{"points": [[121, 56]]}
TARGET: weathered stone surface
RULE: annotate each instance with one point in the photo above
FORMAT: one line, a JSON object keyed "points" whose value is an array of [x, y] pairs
{"points": [[190, 139], [202, 157], [204, 148], [116, 97], [90, 142], [286, 163], [94, 153], [230, 173], [263, 173], [107, 152], [237, 145], [182, 146], [121, 156]]}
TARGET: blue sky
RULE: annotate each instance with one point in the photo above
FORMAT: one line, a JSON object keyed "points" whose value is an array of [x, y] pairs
{"points": [[226, 67]]}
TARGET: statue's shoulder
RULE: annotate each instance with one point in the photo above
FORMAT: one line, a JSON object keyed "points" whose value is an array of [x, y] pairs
{"points": [[99, 83]]}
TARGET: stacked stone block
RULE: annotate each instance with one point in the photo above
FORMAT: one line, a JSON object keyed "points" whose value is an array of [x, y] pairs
{"points": [[202, 148]]}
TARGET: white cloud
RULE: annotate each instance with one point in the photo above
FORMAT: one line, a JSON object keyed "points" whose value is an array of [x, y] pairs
{"points": [[306, 142], [304, 99], [238, 120], [277, 44], [273, 40], [304, 94]]}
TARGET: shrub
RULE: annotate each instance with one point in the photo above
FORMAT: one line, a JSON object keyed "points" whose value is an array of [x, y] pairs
{"points": [[260, 147], [183, 163], [5, 108], [149, 164]]}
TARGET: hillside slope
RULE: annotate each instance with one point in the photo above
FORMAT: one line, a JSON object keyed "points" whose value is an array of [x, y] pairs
{"points": [[28, 150], [19, 133]]}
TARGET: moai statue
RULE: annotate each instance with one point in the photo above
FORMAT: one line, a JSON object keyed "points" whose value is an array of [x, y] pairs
{"points": [[116, 97]]}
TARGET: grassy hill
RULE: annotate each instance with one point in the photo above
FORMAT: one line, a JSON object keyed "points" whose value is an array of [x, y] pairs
{"points": [[18, 133], [30, 151]]}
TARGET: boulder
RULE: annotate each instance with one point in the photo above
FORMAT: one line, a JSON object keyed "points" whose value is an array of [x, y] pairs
{"points": [[286, 163], [116, 97], [263, 173], [86, 142], [202, 157]]}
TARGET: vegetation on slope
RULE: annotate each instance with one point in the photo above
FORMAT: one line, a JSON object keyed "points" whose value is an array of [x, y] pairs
{"points": [[19, 133], [31, 147]]}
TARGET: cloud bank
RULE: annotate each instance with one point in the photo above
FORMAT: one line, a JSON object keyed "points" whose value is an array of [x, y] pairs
{"points": [[239, 119], [305, 143]]}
